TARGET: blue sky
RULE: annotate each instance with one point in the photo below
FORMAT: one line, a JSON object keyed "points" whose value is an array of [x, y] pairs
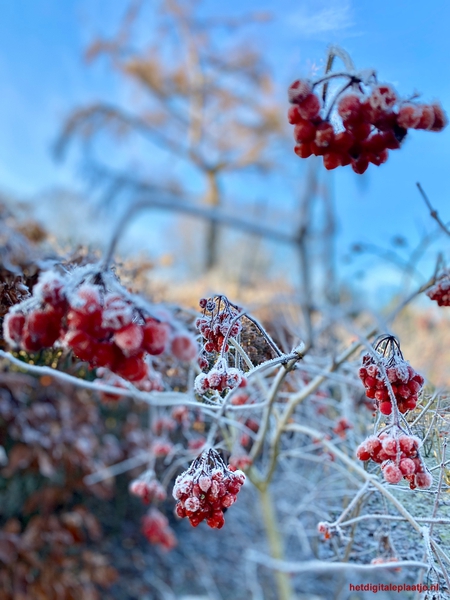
{"points": [[43, 77]]}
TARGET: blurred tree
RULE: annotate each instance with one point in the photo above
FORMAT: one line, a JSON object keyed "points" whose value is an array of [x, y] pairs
{"points": [[208, 99]]}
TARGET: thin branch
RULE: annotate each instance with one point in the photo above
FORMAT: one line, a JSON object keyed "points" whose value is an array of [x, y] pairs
{"points": [[213, 215], [323, 566], [433, 211]]}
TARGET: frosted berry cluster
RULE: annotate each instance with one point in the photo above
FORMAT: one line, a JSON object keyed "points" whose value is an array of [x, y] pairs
{"points": [[206, 489], [405, 382], [440, 292], [398, 454], [240, 461], [155, 527], [147, 488], [217, 324], [220, 378], [368, 120], [324, 529], [342, 426], [93, 315]]}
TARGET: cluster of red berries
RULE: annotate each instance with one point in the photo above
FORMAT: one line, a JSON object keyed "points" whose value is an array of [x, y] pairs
{"points": [[399, 456], [220, 378], [241, 398], [240, 461], [440, 292], [246, 438], [324, 529], [206, 489], [342, 426], [155, 527], [147, 488], [217, 323], [405, 382], [372, 123], [96, 318]]}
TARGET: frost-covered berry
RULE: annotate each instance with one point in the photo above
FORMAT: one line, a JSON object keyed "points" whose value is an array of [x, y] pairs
{"points": [[409, 116], [440, 118], [184, 347], [310, 107], [129, 338], [155, 527], [423, 480], [156, 337], [299, 90], [13, 325], [391, 473]]}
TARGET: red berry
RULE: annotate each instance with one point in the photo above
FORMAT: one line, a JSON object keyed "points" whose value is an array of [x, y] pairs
{"points": [[304, 131], [423, 480], [362, 452], [407, 467], [303, 150], [361, 131], [132, 368], [440, 118], [359, 165], [81, 343], [299, 90], [324, 135], [184, 347], [129, 339], [385, 121], [370, 381], [349, 108], [309, 107], [379, 158], [156, 336], [427, 117], [209, 347], [370, 392], [318, 150], [293, 118], [382, 97], [13, 325], [117, 312], [409, 116], [343, 141], [44, 326], [331, 160], [30, 344], [392, 473], [390, 140], [107, 355], [385, 408], [50, 288]]}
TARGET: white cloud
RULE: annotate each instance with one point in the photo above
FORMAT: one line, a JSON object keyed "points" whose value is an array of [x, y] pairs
{"points": [[317, 17]]}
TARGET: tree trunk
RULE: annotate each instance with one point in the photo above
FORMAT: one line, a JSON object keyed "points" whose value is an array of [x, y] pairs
{"points": [[212, 199]]}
